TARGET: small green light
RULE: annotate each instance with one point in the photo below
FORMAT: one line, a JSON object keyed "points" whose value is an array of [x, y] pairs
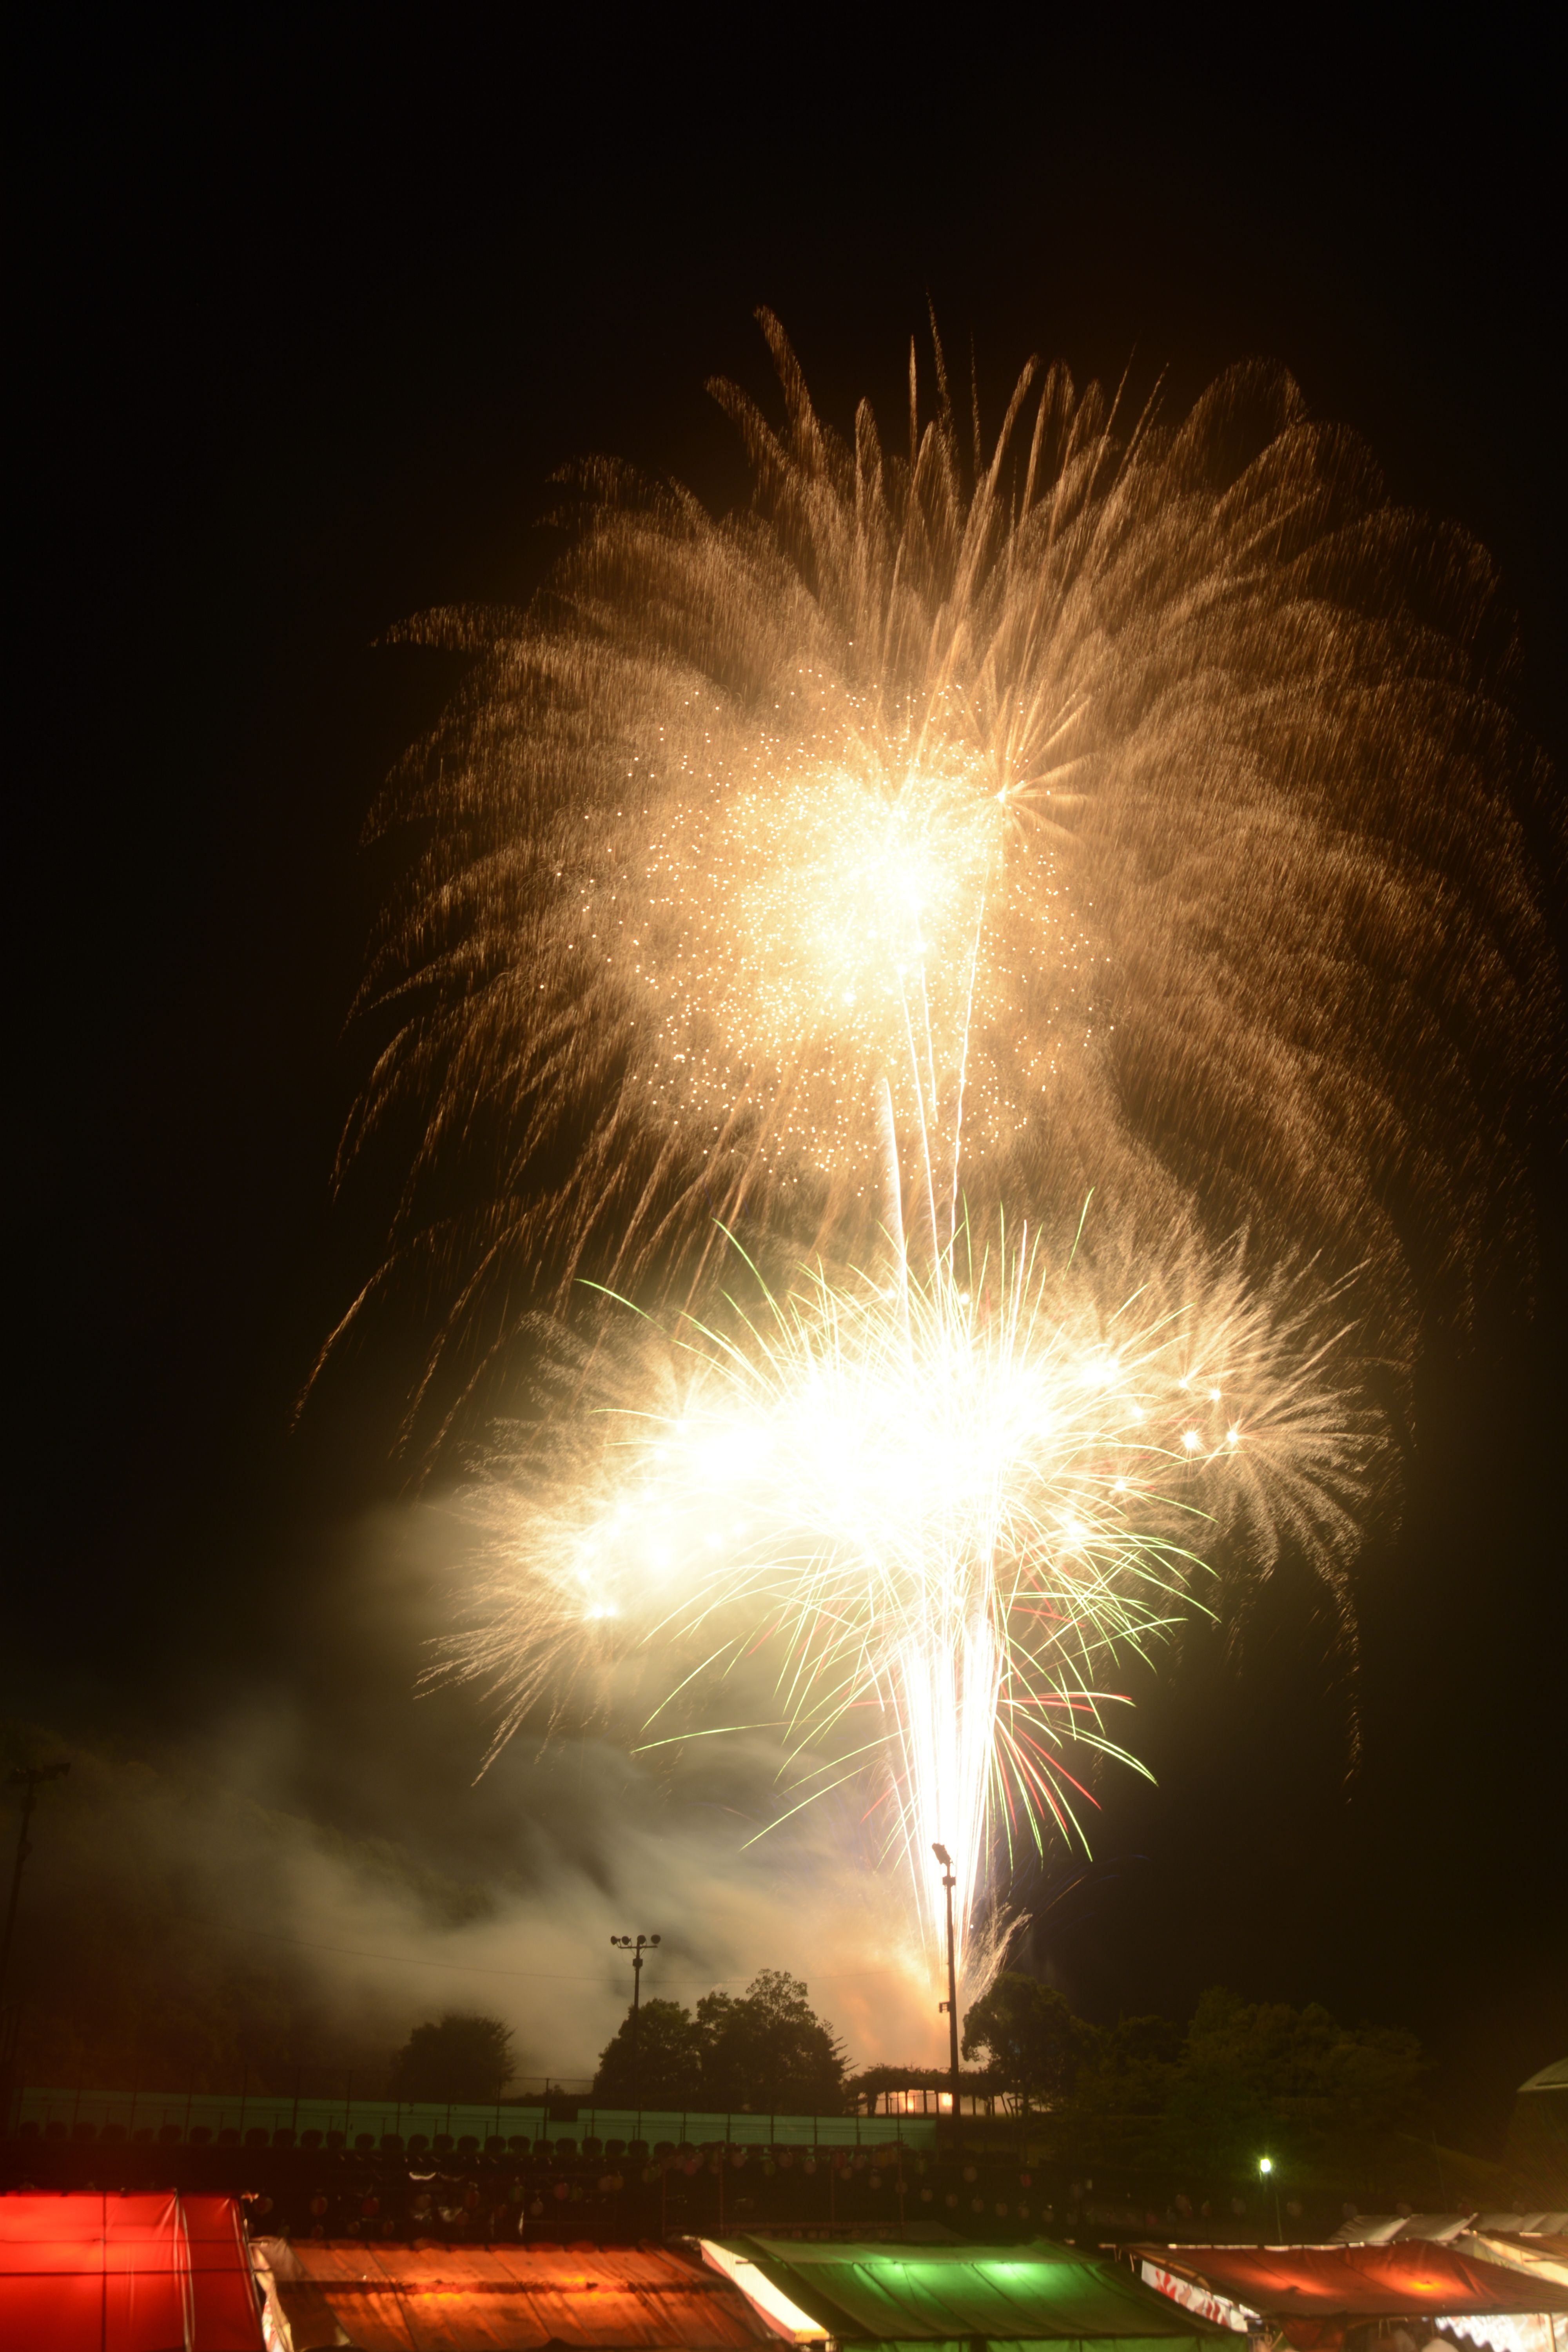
{"points": [[1264, 2164]]}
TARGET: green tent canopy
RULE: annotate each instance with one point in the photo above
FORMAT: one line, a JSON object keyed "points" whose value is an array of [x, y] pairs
{"points": [[1040, 2294]]}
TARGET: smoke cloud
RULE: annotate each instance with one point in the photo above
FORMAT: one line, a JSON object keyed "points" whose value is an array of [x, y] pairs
{"points": [[319, 1873]]}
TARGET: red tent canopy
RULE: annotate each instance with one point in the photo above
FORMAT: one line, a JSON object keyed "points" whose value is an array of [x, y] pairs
{"points": [[125, 2273], [1315, 2292]]}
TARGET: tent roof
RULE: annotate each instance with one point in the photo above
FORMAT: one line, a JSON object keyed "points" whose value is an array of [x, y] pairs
{"points": [[452, 2298], [1383, 2228], [92, 2273], [1038, 2294], [1539, 2257], [1550, 2078], [1361, 2281]]}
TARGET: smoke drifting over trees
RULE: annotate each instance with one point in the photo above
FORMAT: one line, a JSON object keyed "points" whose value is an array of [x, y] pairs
{"points": [[175, 1935], [453, 2057], [179, 1933]]}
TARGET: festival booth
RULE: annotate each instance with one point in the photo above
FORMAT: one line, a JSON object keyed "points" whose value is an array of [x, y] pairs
{"points": [[961, 2295], [730, 2294], [160, 2272], [431, 2297], [1538, 2253], [1320, 2298]]}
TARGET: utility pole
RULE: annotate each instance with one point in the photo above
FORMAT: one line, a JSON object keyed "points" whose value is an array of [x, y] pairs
{"points": [[951, 2003], [636, 1946], [30, 1777]]}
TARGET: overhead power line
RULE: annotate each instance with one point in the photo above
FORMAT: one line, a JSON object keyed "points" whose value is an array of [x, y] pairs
{"points": [[481, 1968]]}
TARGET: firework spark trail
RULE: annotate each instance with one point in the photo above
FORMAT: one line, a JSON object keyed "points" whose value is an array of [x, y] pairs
{"points": [[944, 1504], [1158, 778]]}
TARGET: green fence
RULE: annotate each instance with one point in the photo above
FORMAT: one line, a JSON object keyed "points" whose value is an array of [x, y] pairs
{"points": [[162, 2116]]}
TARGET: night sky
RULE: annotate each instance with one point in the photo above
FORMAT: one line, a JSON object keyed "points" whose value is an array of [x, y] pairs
{"points": [[303, 322]]}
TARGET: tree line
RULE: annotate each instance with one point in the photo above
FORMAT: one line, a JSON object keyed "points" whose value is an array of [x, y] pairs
{"points": [[1236, 2080], [1239, 2080]]}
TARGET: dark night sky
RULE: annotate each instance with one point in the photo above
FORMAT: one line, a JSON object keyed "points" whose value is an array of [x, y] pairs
{"points": [[306, 321]]}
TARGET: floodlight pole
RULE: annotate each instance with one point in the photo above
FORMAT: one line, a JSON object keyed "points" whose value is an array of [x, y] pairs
{"points": [[951, 2003], [636, 1946]]}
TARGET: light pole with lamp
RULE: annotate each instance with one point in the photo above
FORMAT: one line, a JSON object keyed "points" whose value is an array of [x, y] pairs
{"points": [[636, 1946], [951, 2003], [1265, 2175]]}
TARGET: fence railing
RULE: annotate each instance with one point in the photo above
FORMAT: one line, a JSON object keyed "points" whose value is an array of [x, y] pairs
{"points": [[180, 2116]]}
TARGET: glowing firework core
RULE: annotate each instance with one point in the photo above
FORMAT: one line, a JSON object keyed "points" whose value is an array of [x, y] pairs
{"points": [[816, 918], [948, 1504]]}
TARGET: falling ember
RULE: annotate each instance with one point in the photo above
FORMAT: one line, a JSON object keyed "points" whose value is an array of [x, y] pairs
{"points": [[944, 1505]]}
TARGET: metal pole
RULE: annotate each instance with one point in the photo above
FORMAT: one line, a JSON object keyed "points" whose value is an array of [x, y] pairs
{"points": [[951, 2003], [636, 1946], [948, 1883]]}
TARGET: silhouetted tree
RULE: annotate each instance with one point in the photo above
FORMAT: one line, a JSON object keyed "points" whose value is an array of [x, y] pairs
{"points": [[1028, 2037], [1124, 2078], [769, 2051], [764, 2050], [661, 2066], [458, 2056], [1262, 2076]]}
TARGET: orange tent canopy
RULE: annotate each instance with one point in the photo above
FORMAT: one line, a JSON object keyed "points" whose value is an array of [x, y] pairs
{"points": [[509, 2298], [1314, 2294], [1358, 2282]]}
